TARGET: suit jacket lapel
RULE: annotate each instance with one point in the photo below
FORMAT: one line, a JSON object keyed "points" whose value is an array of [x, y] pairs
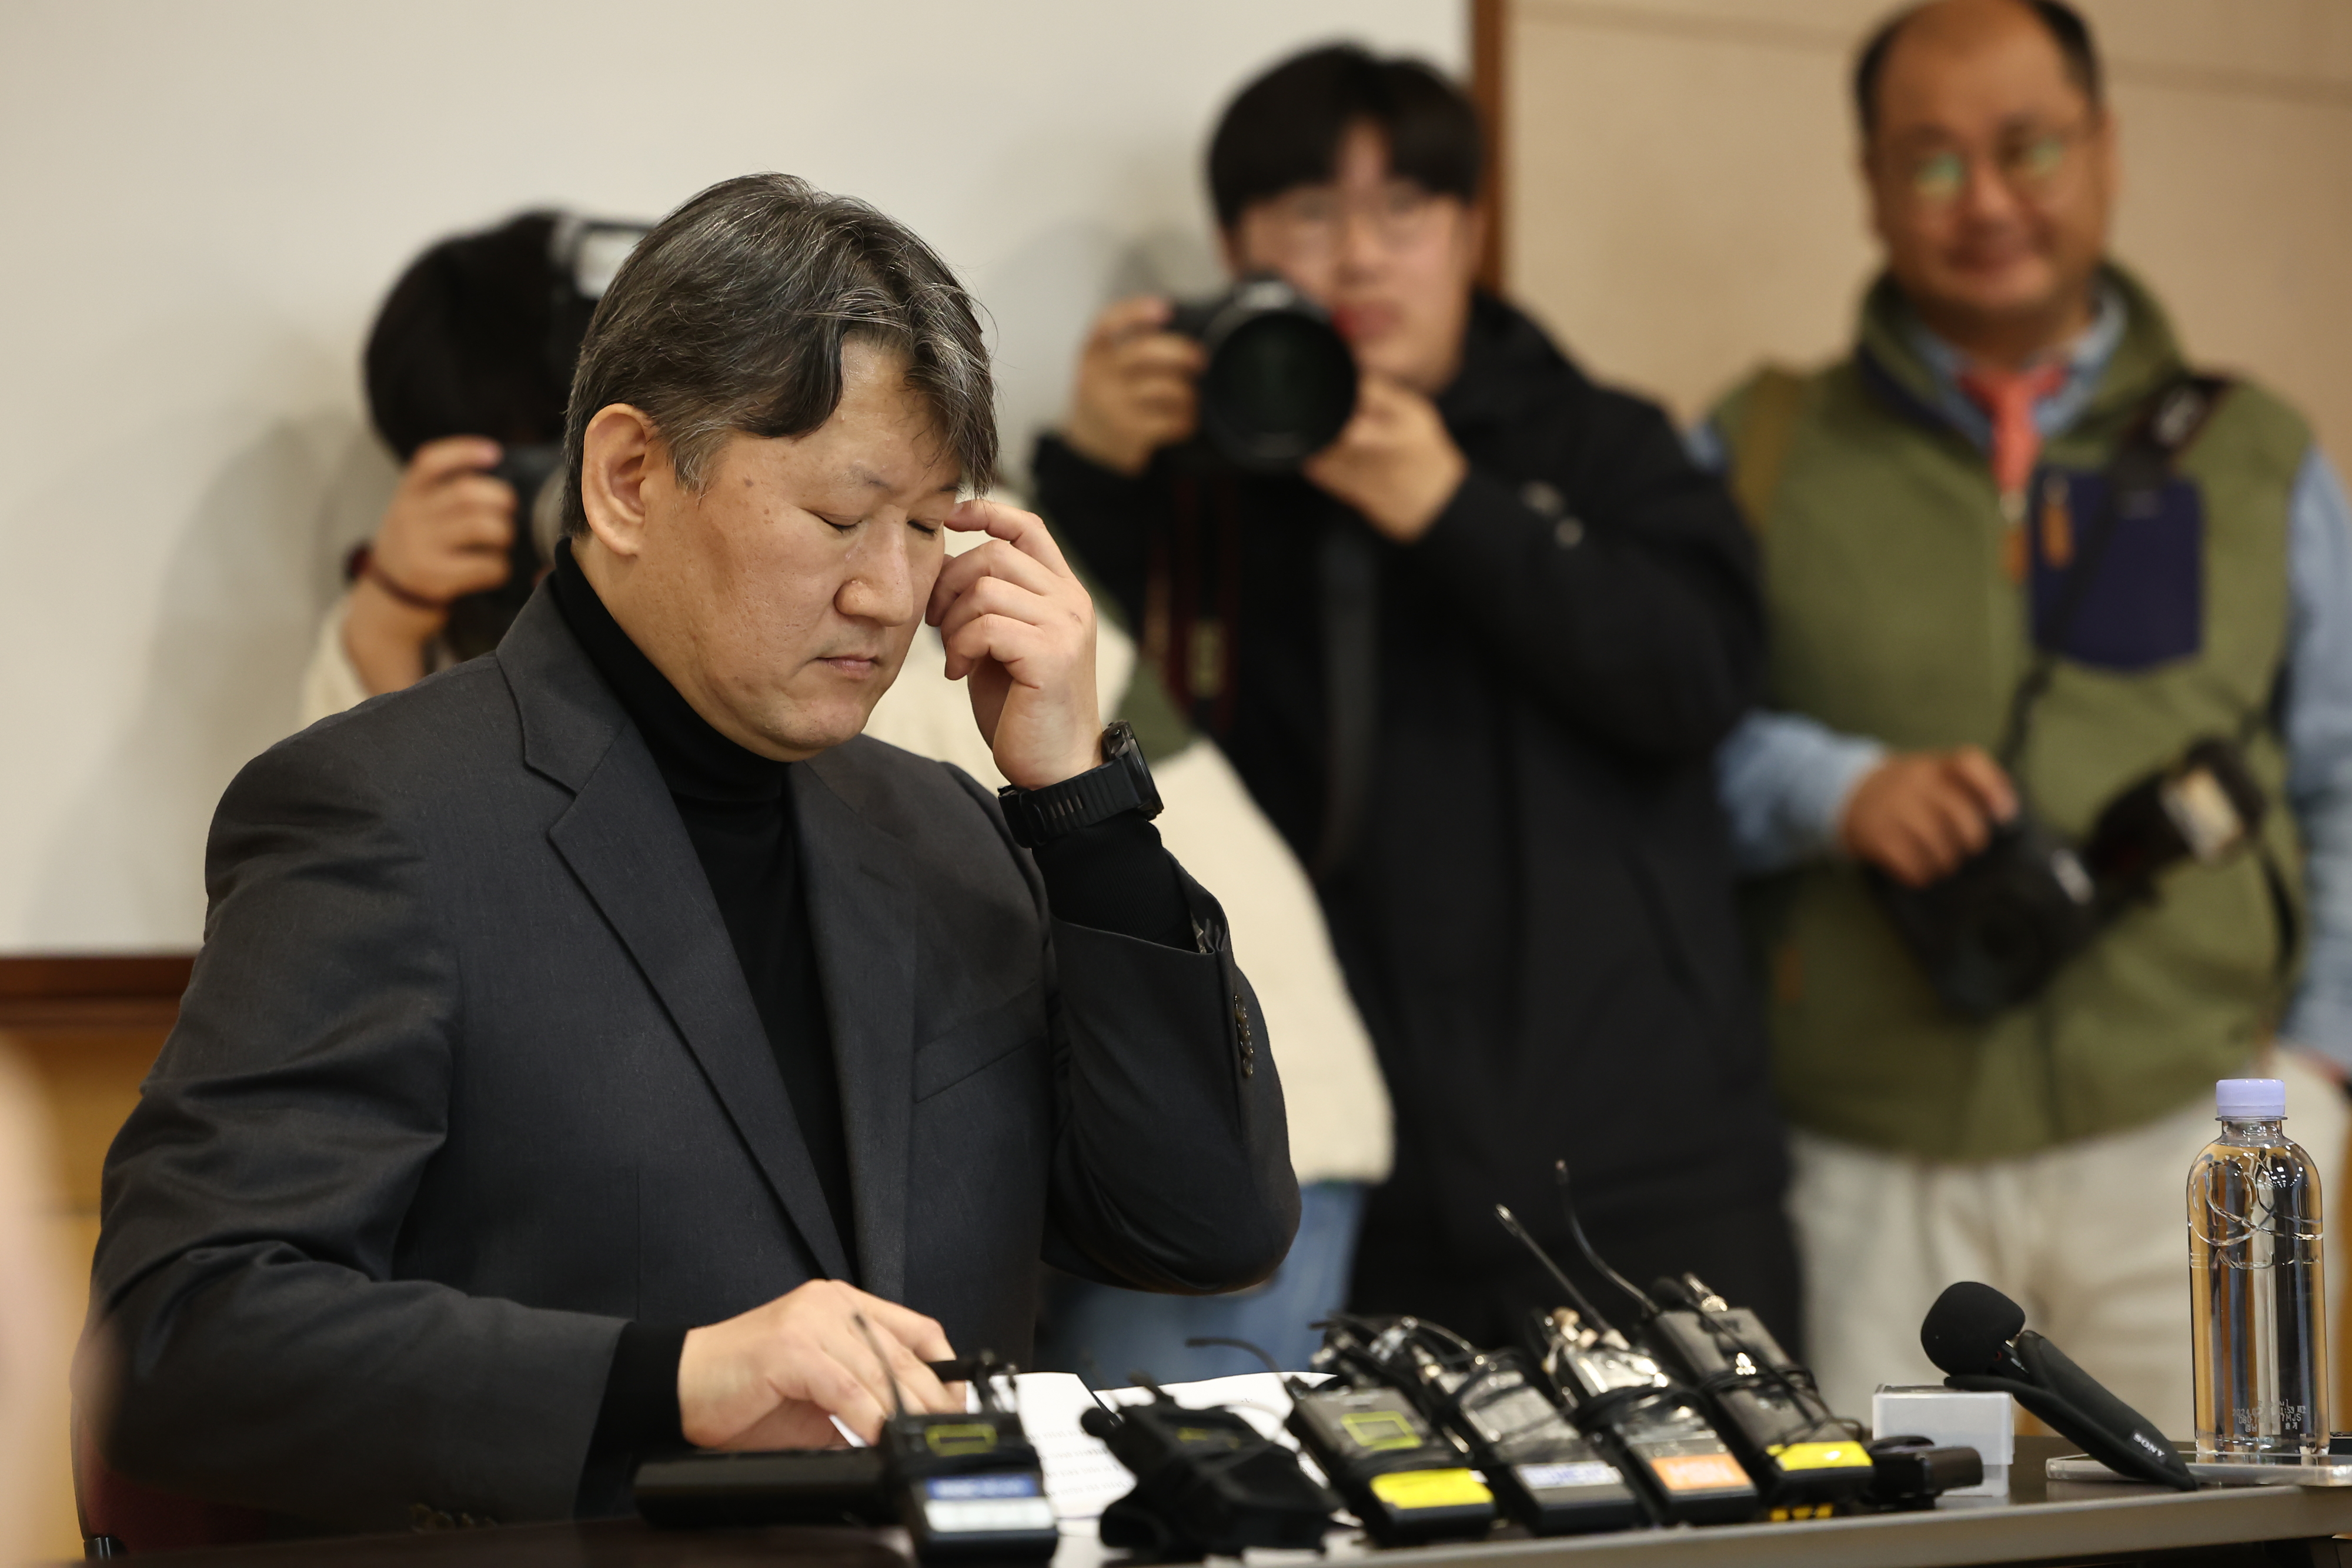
{"points": [[623, 838], [861, 909]]}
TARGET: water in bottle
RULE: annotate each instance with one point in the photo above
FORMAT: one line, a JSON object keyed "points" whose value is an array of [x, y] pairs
{"points": [[2260, 1313]]}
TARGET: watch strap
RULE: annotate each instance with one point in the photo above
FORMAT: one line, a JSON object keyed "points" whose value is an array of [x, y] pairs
{"points": [[1123, 783]]}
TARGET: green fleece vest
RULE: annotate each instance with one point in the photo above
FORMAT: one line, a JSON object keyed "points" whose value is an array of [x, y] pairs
{"points": [[1891, 616]]}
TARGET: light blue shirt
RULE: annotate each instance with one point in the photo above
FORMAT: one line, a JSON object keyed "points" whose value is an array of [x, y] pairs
{"points": [[1784, 779]]}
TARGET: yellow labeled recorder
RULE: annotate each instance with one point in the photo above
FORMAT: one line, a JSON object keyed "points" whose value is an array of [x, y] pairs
{"points": [[1653, 1430], [1544, 1473], [1405, 1482], [1763, 1403]]}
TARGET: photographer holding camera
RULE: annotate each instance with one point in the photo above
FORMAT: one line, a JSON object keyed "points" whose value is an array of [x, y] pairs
{"points": [[466, 369], [1471, 656], [2058, 629]]}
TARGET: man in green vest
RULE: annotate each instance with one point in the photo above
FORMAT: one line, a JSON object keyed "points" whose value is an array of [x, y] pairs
{"points": [[1921, 504]]}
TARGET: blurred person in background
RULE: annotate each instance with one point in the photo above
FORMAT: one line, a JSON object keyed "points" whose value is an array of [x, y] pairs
{"points": [[466, 370], [1339, 1108], [1548, 617], [1922, 506]]}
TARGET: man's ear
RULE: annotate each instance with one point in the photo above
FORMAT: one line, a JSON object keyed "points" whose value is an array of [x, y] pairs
{"points": [[616, 457]]}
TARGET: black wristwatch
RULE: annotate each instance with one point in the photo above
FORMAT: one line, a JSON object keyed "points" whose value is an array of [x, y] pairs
{"points": [[1123, 783]]}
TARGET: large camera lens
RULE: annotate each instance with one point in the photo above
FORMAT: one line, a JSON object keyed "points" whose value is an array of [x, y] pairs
{"points": [[1280, 381]]}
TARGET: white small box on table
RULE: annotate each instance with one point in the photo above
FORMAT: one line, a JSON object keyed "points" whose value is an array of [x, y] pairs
{"points": [[1951, 1419]]}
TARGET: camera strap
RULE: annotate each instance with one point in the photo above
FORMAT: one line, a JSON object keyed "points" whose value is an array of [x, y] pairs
{"points": [[2167, 423], [1348, 572], [2162, 429], [2272, 715]]}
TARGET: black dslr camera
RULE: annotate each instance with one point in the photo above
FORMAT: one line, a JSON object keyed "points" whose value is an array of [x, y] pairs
{"points": [[1280, 381], [477, 620], [1992, 933]]}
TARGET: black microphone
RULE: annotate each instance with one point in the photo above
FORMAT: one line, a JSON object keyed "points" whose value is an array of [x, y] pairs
{"points": [[1968, 1330], [1979, 1337]]}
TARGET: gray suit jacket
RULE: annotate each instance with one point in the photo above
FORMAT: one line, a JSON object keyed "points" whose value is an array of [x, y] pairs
{"points": [[469, 1075]]}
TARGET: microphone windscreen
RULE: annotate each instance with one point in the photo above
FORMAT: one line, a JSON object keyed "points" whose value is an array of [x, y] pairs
{"points": [[1969, 1328]]}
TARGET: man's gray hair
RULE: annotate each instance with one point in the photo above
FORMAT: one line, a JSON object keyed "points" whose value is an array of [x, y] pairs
{"points": [[731, 314]]}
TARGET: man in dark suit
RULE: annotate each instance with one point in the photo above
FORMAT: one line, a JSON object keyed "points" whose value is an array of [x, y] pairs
{"points": [[599, 1047]]}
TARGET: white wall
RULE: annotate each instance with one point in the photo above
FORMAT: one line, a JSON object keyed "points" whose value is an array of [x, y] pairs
{"points": [[206, 199]]}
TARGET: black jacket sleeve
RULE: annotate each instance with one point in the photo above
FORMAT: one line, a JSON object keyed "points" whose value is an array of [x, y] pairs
{"points": [[1116, 876], [1170, 1166], [639, 1414], [1634, 612]]}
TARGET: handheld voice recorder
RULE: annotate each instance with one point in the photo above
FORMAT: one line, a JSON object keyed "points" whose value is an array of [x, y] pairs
{"points": [[966, 1486], [1649, 1426], [1407, 1484], [1805, 1459], [1545, 1474]]}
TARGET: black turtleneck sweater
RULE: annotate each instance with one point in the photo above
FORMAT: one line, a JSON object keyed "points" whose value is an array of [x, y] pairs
{"points": [[736, 806]]}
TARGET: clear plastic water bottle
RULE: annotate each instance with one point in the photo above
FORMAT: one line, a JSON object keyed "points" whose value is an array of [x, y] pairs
{"points": [[2260, 1313]]}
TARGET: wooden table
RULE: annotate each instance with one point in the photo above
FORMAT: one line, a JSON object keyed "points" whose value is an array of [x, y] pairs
{"points": [[2044, 1523]]}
